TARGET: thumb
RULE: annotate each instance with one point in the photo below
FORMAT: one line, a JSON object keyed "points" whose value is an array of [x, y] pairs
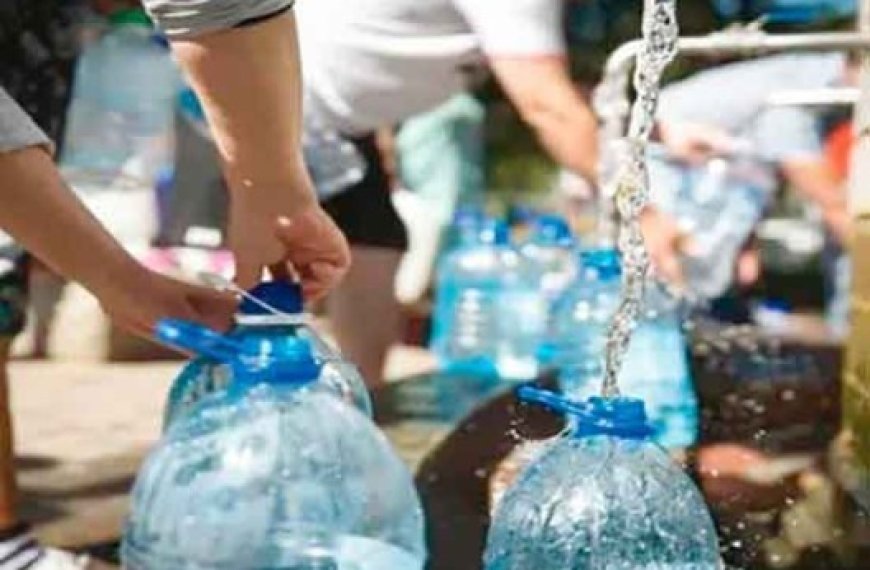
{"points": [[248, 273]]}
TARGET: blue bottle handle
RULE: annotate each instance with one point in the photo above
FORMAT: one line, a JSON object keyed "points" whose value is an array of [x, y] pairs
{"points": [[197, 339]]}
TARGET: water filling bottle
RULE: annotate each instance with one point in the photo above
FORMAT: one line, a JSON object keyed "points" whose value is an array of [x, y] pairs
{"points": [[274, 472], [270, 320], [656, 366], [601, 496], [489, 316]]}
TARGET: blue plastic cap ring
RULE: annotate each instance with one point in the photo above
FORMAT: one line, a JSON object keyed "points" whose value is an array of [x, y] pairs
{"points": [[284, 296], [624, 418], [618, 417], [552, 229]]}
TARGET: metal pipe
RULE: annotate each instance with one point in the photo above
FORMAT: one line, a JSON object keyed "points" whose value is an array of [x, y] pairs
{"points": [[738, 41], [829, 97], [745, 42]]}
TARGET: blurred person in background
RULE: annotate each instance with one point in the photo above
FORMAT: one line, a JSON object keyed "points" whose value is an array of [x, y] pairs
{"points": [[375, 63], [440, 164], [276, 222], [774, 140]]}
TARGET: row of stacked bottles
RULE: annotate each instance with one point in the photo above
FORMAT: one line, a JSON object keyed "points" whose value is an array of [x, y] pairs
{"points": [[516, 310]]}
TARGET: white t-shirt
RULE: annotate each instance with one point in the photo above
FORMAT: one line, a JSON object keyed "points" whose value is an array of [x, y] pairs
{"points": [[372, 63]]}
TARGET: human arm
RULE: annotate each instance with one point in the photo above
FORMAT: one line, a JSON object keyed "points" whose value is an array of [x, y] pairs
{"points": [[248, 81], [542, 91], [524, 44], [44, 216]]}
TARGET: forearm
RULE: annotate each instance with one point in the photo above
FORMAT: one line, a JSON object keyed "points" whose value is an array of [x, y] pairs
{"points": [[547, 100], [569, 134], [47, 219], [247, 80]]}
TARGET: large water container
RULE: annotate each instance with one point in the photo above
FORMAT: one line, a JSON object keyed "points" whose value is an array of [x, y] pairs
{"points": [[601, 496], [119, 133], [270, 320], [488, 317], [551, 249], [656, 366], [275, 473]]}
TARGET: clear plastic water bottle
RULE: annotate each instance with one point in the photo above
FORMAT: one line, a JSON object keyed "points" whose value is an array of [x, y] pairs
{"points": [[718, 213], [656, 366], [268, 329], [119, 136], [488, 316], [276, 472], [551, 249], [121, 112], [601, 496]]}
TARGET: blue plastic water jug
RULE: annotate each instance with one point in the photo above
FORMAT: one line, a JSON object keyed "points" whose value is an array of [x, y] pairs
{"points": [[601, 496], [274, 472], [488, 317], [551, 249]]}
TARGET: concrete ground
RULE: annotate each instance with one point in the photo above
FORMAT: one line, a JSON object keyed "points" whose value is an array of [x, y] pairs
{"points": [[82, 429]]}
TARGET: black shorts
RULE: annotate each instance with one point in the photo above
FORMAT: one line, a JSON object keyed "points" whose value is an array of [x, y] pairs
{"points": [[365, 212], [13, 290]]}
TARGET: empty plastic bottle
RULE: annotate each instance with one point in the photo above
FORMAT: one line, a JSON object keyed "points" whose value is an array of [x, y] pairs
{"points": [[268, 329], [274, 472], [656, 366], [488, 317], [551, 249], [718, 210], [119, 136], [121, 112], [601, 497]]}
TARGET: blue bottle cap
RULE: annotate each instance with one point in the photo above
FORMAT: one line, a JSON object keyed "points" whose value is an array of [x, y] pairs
{"points": [[282, 295], [552, 230], [605, 263], [623, 418], [295, 364], [494, 232]]}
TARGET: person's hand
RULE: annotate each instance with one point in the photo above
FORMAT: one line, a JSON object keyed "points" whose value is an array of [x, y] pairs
{"points": [[138, 300], [304, 242], [665, 244], [696, 143]]}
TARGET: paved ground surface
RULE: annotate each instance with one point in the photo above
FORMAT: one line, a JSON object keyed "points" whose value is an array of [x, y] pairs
{"points": [[81, 431]]}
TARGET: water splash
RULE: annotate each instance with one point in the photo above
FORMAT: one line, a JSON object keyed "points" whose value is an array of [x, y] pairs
{"points": [[660, 34]]}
